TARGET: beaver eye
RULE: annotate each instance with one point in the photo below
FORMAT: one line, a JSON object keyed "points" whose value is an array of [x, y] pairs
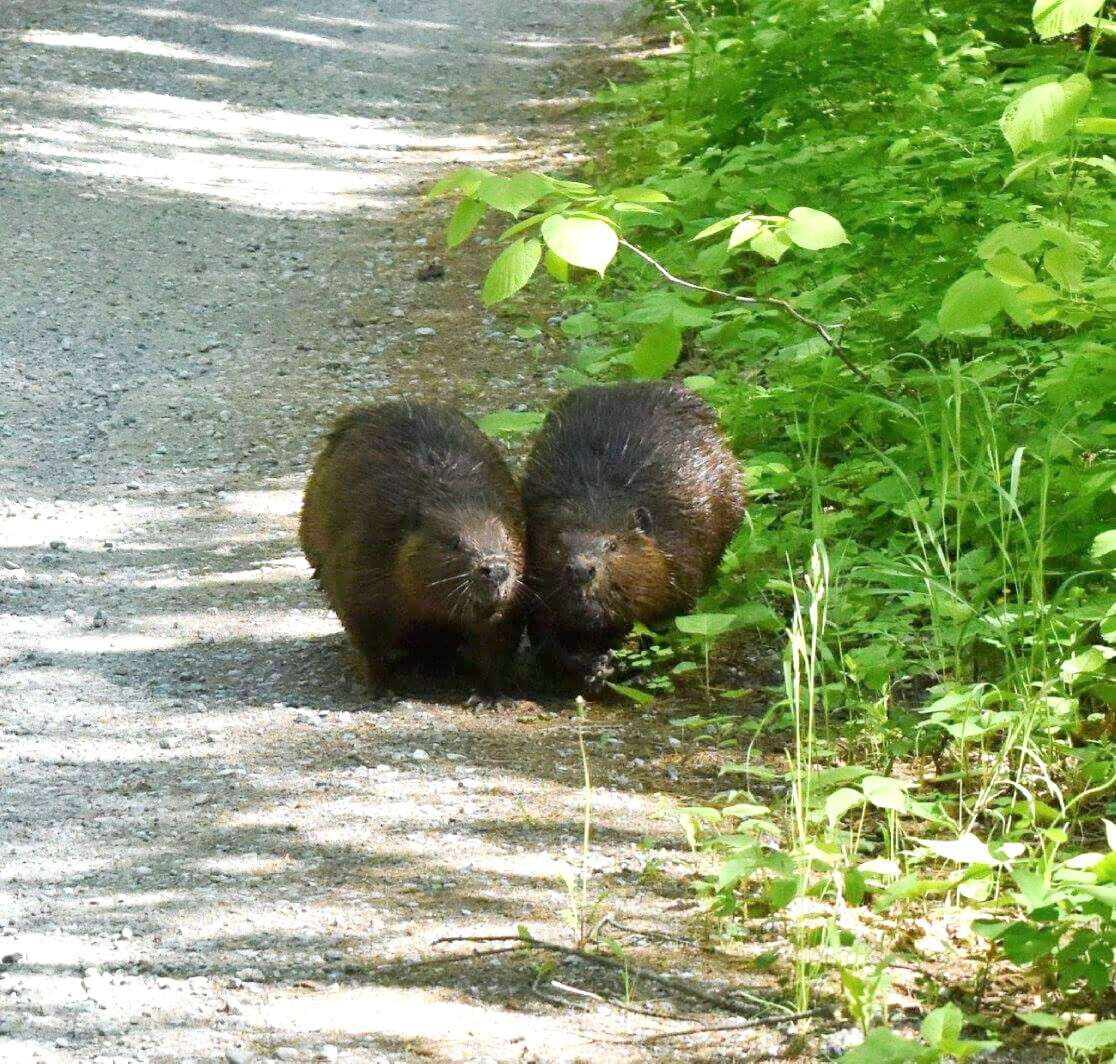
{"points": [[454, 542], [611, 546]]}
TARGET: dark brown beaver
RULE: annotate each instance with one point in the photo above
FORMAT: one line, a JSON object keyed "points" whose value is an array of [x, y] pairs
{"points": [[414, 526], [631, 494]]}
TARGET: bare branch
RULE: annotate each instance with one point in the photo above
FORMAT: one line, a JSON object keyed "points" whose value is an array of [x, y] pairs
{"points": [[759, 1021]]}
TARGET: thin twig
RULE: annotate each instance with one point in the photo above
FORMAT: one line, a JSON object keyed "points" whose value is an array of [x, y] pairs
{"points": [[759, 1021], [430, 962], [616, 1004], [766, 301], [661, 936], [679, 986]]}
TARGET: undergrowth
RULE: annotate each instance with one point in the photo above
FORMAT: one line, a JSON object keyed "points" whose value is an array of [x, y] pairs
{"points": [[878, 237]]}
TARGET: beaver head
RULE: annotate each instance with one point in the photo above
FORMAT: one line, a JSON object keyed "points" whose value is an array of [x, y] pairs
{"points": [[462, 566], [602, 575]]}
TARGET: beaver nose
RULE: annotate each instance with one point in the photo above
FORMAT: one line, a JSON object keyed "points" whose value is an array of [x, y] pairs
{"points": [[496, 573], [582, 570]]}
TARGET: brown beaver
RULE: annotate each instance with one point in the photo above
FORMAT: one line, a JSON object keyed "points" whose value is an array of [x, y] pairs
{"points": [[631, 494], [414, 526]]}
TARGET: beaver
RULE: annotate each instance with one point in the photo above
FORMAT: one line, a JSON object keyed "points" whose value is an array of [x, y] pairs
{"points": [[631, 495], [414, 527]]}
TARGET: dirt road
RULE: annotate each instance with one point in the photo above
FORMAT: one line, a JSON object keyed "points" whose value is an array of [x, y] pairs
{"points": [[210, 841]]}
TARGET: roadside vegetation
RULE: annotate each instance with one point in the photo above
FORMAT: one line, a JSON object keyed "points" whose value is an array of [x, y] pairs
{"points": [[877, 235]]}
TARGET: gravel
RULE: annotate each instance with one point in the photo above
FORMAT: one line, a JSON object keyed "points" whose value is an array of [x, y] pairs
{"points": [[211, 238]]}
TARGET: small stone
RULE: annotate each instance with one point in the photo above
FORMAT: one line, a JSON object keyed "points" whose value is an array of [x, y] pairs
{"points": [[58, 544], [169, 742], [125, 933], [419, 755], [70, 616], [327, 1052], [425, 330], [238, 1056], [133, 485], [286, 1053], [100, 620], [250, 975]]}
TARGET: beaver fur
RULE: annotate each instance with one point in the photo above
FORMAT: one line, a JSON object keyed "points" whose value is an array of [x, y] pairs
{"points": [[631, 495], [414, 527]]}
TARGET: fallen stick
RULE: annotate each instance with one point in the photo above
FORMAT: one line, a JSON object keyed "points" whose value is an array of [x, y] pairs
{"points": [[759, 1021], [662, 936], [677, 985], [613, 1003], [451, 958]]}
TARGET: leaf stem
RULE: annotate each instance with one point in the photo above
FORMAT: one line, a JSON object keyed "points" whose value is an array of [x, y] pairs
{"points": [[770, 301]]}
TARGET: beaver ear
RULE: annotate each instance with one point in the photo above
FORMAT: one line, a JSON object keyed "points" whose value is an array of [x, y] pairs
{"points": [[641, 520]]}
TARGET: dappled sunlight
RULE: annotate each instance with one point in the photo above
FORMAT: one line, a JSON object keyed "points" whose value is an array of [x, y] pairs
{"points": [[135, 46], [274, 32], [272, 160], [83, 525], [273, 502]]}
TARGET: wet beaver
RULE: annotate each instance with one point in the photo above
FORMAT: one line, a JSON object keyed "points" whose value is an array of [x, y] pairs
{"points": [[414, 527], [631, 495]]}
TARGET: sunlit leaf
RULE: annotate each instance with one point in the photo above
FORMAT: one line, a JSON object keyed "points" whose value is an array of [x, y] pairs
{"points": [[815, 230], [584, 242], [1053, 18], [1044, 113], [511, 270], [465, 218]]}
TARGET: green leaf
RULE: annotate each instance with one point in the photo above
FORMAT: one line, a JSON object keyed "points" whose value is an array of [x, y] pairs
{"points": [[780, 892], [558, 268], [719, 227], [771, 244], [583, 242], [1096, 125], [1087, 661], [705, 625], [840, 802], [815, 230], [640, 698], [1043, 1020], [465, 218], [1095, 1036], [1065, 266], [757, 615], [513, 194], [657, 351], [744, 231], [882, 1047], [1010, 268], [467, 180], [511, 270], [1014, 236], [510, 422], [639, 194], [1053, 18], [1045, 113], [966, 849], [970, 301], [885, 793], [1103, 544], [943, 1026], [579, 326]]}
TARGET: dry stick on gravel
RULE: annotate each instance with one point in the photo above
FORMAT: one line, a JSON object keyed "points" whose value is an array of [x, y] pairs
{"points": [[759, 1021], [451, 958], [661, 936], [617, 1004], [679, 986], [761, 301]]}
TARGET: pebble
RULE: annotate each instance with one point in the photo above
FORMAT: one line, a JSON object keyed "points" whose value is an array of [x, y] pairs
{"points": [[327, 1052], [286, 1053], [425, 330], [238, 1056], [133, 485], [420, 755]]}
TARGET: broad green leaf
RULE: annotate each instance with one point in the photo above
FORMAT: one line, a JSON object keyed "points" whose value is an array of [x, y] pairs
{"points": [[524, 224], [886, 793], [466, 180], [558, 268], [1010, 268], [465, 218], [510, 422], [580, 325], [972, 300], [657, 351], [640, 698], [513, 194], [640, 194], [583, 242], [840, 802], [1087, 661], [1053, 18], [1013, 236], [700, 383], [780, 892], [1065, 266], [719, 227], [815, 230], [511, 270], [1095, 1036], [772, 244], [943, 1025], [705, 625], [758, 615], [1096, 125], [966, 849], [1043, 1020], [881, 1046], [744, 231], [1044, 113]]}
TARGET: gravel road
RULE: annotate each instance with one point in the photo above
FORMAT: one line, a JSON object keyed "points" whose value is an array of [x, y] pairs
{"points": [[211, 844]]}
